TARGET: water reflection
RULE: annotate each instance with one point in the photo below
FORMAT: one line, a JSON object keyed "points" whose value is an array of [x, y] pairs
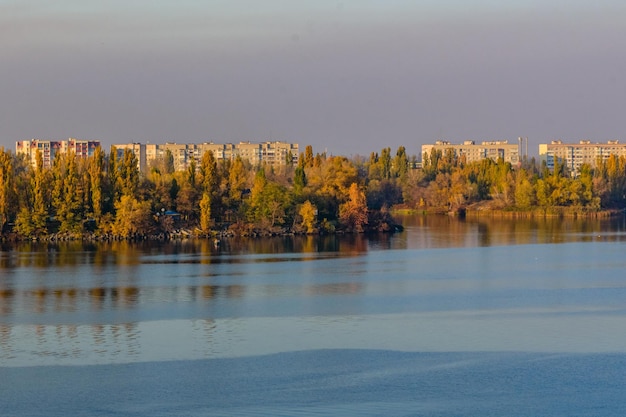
{"points": [[449, 231], [445, 279], [122, 253]]}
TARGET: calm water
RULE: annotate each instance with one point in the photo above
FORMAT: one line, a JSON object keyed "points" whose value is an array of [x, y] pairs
{"points": [[467, 318]]}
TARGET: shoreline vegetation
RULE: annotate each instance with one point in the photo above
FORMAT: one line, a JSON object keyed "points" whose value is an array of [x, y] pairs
{"points": [[106, 197]]}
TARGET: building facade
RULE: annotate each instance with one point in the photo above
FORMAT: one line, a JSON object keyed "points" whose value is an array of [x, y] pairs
{"points": [[574, 155], [49, 149], [273, 153], [471, 152]]}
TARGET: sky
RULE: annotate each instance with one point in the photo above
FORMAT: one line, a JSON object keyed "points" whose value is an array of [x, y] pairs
{"points": [[348, 77]]}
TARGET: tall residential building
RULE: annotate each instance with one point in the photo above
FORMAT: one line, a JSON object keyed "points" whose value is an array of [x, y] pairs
{"points": [[274, 153], [49, 148], [139, 149], [574, 155], [473, 152]]}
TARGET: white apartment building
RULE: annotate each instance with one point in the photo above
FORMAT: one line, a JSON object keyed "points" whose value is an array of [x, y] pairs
{"points": [[574, 155], [274, 153], [475, 152]]}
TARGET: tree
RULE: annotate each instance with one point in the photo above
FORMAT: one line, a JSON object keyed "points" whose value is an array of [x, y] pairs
{"points": [[308, 156], [115, 191], [268, 200], [187, 199], [299, 179], [205, 212], [96, 175], [6, 183], [385, 163], [524, 191], [353, 213], [237, 179], [132, 217], [308, 212], [67, 194], [129, 173], [40, 185], [208, 173], [400, 165]]}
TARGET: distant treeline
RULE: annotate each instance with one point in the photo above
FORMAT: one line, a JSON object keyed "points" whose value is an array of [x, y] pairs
{"points": [[108, 196]]}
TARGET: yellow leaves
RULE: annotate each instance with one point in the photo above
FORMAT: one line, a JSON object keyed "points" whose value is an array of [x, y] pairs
{"points": [[353, 213], [308, 212]]}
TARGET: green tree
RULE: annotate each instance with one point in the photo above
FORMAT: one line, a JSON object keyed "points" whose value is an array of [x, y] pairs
{"points": [[299, 179], [400, 165]]}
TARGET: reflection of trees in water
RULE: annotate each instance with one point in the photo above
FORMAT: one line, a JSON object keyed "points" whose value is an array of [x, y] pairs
{"points": [[441, 231], [204, 330], [104, 341], [342, 288], [42, 300]]}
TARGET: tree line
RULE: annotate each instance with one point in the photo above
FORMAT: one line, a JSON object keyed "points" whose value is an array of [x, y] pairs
{"points": [[448, 182], [108, 195]]}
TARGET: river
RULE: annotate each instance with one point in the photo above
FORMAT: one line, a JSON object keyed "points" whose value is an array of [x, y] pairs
{"points": [[463, 317]]}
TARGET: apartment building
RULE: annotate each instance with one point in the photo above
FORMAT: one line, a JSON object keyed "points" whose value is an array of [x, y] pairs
{"points": [[274, 153], [49, 149], [574, 155], [139, 149], [475, 152]]}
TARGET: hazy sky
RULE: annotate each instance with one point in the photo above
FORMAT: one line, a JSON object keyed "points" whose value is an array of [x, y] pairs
{"points": [[347, 76]]}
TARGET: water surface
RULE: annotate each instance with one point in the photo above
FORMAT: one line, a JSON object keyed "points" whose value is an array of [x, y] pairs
{"points": [[450, 317]]}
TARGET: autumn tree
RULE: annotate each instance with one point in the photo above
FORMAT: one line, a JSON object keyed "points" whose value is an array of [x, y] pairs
{"points": [[205, 212], [128, 173], [187, 199], [308, 156], [353, 213], [308, 213], [133, 217], [6, 184], [525, 197], [67, 197], [268, 201], [96, 177], [41, 195]]}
